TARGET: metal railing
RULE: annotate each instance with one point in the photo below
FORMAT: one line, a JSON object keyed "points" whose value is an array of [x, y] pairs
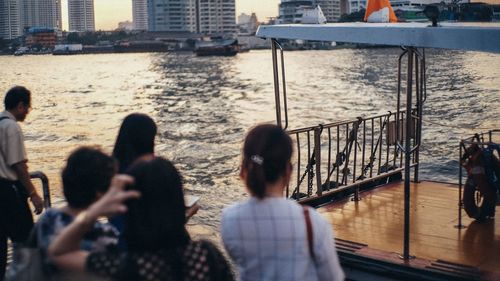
{"points": [[45, 187], [342, 156], [412, 84]]}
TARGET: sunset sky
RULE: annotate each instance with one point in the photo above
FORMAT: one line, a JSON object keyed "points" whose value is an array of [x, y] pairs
{"points": [[108, 13]]}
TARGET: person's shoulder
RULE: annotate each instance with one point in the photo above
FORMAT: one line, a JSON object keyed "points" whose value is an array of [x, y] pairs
{"points": [[204, 243], [235, 209], [51, 214], [200, 248], [9, 124], [207, 247]]}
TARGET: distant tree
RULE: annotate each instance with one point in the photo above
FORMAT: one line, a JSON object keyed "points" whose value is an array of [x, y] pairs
{"points": [[3, 43], [73, 38], [475, 12], [91, 38], [353, 17]]}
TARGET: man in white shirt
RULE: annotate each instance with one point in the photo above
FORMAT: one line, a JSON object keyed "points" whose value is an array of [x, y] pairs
{"points": [[16, 220]]}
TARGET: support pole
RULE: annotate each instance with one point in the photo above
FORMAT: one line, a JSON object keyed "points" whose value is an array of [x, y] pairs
{"points": [[408, 148], [276, 83], [460, 186], [418, 123]]}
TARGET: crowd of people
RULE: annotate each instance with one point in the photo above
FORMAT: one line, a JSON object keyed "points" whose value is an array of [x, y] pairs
{"points": [[125, 215]]}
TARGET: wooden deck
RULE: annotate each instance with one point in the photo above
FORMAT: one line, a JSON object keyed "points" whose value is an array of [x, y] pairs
{"points": [[376, 224]]}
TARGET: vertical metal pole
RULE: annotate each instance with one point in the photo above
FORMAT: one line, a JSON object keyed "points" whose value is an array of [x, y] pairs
{"points": [[346, 165], [460, 225], [356, 191], [380, 122], [276, 83], [409, 86], [337, 161], [418, 122], [309, 175], [285, 106], [298, 167], [317, 147], [329, 158], [372, 147]]}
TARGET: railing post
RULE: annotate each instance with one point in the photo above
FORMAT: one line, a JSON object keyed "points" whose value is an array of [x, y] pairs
{"points": [[460, 186], [317, 151]]}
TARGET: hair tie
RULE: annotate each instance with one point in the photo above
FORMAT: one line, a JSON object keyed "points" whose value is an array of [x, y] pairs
{"points": [[257, 159]]}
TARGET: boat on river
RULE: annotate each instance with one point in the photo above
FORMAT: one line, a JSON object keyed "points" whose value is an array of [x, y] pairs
{"points": [[220, 47], [363, 175]]}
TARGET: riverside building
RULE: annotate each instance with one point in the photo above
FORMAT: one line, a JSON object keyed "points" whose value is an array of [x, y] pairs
{"points": [[172, 15], [81, 15], [140, 14], [290, 11], [10, 19], [42, 14], [216, 17], [209, 17], [330, 8]]}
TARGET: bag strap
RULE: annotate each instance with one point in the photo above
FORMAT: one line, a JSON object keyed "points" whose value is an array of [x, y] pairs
{"points": [[4, 117], [309, 230]]}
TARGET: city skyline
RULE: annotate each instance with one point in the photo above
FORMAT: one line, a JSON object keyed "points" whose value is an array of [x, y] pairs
{"points": [[108, 13]]}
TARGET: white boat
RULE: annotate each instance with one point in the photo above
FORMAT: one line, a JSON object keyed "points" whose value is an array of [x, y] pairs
{"points": [[404, 228]]}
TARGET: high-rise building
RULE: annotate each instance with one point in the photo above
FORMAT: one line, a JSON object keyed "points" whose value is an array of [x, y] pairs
{"points": [[289, 10], [357, 5], [50, 14], [10, 19], [211, 17], [140, 14], [81, 15], [216, 17], [171, 15], [344, 7], [330, 8], [41, 13]]}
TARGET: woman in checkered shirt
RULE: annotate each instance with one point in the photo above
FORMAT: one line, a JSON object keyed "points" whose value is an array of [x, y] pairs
{"points": [[268, 236]]}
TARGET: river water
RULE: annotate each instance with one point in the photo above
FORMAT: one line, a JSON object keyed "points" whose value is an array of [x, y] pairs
{"points": [[204, 106]]}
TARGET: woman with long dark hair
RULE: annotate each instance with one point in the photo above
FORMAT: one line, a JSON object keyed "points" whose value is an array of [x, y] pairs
{"points": [[268, 236], [159, 247], [135, 139]]}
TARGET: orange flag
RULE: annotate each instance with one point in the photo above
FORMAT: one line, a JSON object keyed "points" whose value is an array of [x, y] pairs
{"points": [[380, 11]]}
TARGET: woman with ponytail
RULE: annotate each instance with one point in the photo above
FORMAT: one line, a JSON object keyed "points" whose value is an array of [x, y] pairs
{"points": [[268, 236]]}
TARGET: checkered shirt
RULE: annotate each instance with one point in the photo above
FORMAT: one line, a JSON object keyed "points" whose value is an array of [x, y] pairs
{"points": [[267, 240]]}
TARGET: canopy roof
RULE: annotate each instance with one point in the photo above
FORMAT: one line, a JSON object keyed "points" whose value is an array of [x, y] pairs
{"points": [[483, 37]]}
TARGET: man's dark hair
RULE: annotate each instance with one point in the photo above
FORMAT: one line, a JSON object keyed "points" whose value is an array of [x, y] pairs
{"points": [[87, 172], [16, 95]]}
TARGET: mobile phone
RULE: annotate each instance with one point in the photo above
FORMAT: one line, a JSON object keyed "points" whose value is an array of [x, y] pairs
{"points": [[190, 200]]}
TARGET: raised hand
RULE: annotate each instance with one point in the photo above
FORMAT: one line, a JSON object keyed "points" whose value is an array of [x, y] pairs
{"points": [[113, 201]]}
